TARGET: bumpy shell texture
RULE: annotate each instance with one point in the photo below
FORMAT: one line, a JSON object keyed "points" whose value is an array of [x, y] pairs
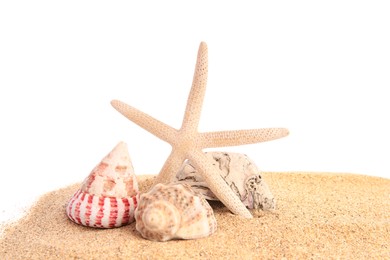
{"points": [[174, 211], [108, 196], [239, 172]]}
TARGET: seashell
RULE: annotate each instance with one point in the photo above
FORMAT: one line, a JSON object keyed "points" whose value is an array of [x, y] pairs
{"points": [[239, 172], [174, 211], [108, 196]]}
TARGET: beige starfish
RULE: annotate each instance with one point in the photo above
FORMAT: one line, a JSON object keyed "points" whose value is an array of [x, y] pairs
{"points": [[187, 142]]}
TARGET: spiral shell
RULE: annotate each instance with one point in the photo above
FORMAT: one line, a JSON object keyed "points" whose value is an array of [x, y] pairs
{"points": [[174, 211], [239, 172], [108, 196]]}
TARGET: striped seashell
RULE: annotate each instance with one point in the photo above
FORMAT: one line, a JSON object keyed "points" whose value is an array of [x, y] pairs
{"points": [[100, 211], [108, 196], [174, 211]]}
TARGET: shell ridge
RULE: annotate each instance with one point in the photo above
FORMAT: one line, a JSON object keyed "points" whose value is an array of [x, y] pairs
{"points": [[100, 214], [77, 208], [94, 211], [82, 208], [88, 210], [106, 212], [113, 212], [125, 212], [70, 208]]}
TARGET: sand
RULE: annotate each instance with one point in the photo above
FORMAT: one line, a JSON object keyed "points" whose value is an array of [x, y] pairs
{"points": [[319, 216]]}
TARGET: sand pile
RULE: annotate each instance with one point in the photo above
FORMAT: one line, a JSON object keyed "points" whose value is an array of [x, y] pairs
{"points": [[318, 216]]}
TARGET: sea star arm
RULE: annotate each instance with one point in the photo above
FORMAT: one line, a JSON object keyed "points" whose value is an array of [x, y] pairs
{"points": [[171, 167], [241, 137], [150, 124], [197, 92], [217, 184]]}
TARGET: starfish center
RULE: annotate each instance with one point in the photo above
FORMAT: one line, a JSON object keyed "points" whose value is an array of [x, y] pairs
{"points": [[185, 142]]}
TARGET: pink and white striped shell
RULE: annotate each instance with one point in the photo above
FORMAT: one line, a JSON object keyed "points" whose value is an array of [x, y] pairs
{"points": [[239, 172], [174, 211], [108, 196]]}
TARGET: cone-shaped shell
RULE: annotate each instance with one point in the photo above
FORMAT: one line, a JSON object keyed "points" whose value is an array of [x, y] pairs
{"points": [[174, 211], [108, 196]]}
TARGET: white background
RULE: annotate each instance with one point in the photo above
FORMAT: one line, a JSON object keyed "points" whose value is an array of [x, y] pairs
{"points": [[321, 69]]}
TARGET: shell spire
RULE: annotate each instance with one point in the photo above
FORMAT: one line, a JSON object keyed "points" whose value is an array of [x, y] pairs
{"points": [[113, 176], [108, 196]]}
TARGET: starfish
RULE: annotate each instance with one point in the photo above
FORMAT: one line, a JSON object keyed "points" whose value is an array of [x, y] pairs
{"points": [[187, 143]]}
